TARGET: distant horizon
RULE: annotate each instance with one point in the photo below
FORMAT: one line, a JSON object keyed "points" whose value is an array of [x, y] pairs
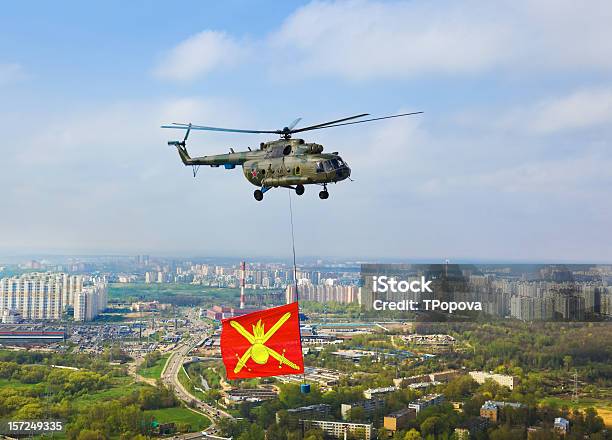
{"points": [[20, 258]]}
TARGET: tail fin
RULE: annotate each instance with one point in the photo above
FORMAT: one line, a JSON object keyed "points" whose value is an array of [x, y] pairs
{"points": [[182, 148], [182, 151], [184, 155]]}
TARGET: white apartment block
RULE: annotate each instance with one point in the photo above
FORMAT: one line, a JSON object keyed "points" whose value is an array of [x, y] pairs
{"points": [[340, 430], [46, 296], [371, 393], [323, 293], [426, 402], [90, 301], [502, 379]]}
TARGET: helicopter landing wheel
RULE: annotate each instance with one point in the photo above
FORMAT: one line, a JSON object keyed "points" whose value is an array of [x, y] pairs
{"points": [[258, 194], [323, 194], [299, 189]]}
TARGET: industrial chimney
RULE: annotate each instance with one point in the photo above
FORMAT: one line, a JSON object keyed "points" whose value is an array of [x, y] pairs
{"points": [[242, 276]]}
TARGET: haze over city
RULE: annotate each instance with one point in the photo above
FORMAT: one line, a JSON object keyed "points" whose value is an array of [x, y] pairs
{"points": [[510, 161]]}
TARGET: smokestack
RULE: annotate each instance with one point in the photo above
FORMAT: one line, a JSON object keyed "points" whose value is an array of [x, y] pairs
{"points": [[242, 276]]}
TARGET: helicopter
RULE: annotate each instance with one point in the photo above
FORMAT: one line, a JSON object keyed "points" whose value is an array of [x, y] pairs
{"points": [[285, 163]]}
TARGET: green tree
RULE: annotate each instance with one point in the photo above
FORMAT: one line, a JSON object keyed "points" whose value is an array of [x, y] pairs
{"points": [[357, 414], [413, 434], [592, 422], [314, 434], [88, 434], [276, 432], [567, 362], [383, 433], [507, 433], [151, 359], [30, 411], [254, 432], [432, 425], [460, 388]]}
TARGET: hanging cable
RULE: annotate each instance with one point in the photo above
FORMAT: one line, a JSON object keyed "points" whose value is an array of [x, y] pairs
{"points": [[293, 249], [302, 387]]}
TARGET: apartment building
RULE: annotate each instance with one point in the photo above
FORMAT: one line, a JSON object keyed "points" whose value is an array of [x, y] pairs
{"points": [[502, 379], [46, 296], [340, 430]]}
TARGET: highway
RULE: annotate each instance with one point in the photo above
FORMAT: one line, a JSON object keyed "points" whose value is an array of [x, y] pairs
{"points": [[170, 377]]}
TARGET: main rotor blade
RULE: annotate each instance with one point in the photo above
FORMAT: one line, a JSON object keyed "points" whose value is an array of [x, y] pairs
{"points": [[202, 127], [313, 127], [358, 122], [288, 130], [294, 123]]}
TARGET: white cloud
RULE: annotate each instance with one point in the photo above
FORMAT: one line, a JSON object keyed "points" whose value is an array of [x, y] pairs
{"points": [[581, 109], [575, 178], [103, 156], [370, 39], [361, 40], [200, 54], [10, 73]]}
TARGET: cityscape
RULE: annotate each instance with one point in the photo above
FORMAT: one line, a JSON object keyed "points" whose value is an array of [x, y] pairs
{"points": [[154, 323], [525, 292], [306, 220]]}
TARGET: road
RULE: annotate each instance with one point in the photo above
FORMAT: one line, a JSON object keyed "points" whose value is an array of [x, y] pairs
{"points": [[171, 371]]}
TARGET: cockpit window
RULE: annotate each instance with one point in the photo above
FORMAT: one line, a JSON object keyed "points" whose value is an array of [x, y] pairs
{"points": [[330, 165]]}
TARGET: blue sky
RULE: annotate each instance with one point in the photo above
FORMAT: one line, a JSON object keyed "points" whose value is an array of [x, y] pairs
{"points": [[511, 160]]}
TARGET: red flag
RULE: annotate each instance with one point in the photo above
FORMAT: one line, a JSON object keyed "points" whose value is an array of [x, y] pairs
{"points": [[263, 343]]}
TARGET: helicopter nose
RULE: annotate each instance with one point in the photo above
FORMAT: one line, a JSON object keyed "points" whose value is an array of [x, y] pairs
{"points": [[344, 172]]}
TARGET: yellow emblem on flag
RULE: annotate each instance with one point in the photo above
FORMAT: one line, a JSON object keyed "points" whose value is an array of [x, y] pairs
{"points": [[258, 351]]}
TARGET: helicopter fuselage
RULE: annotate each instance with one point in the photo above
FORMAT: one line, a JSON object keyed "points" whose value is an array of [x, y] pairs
{"points": [[283, 163]]}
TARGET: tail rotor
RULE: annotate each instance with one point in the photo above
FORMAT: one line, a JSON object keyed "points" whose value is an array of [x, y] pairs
{"points": [[182, 143]]}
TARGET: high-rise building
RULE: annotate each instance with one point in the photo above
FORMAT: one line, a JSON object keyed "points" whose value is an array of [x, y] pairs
{"points": [[90, 302], [606, 303], [323, 293], [45, 296]]}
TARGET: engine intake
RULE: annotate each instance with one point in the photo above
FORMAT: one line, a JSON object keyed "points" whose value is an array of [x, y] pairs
{"points": [[315, 148]]}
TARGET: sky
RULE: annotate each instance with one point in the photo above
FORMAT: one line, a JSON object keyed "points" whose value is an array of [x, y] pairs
{"points": [[511, 160]]}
